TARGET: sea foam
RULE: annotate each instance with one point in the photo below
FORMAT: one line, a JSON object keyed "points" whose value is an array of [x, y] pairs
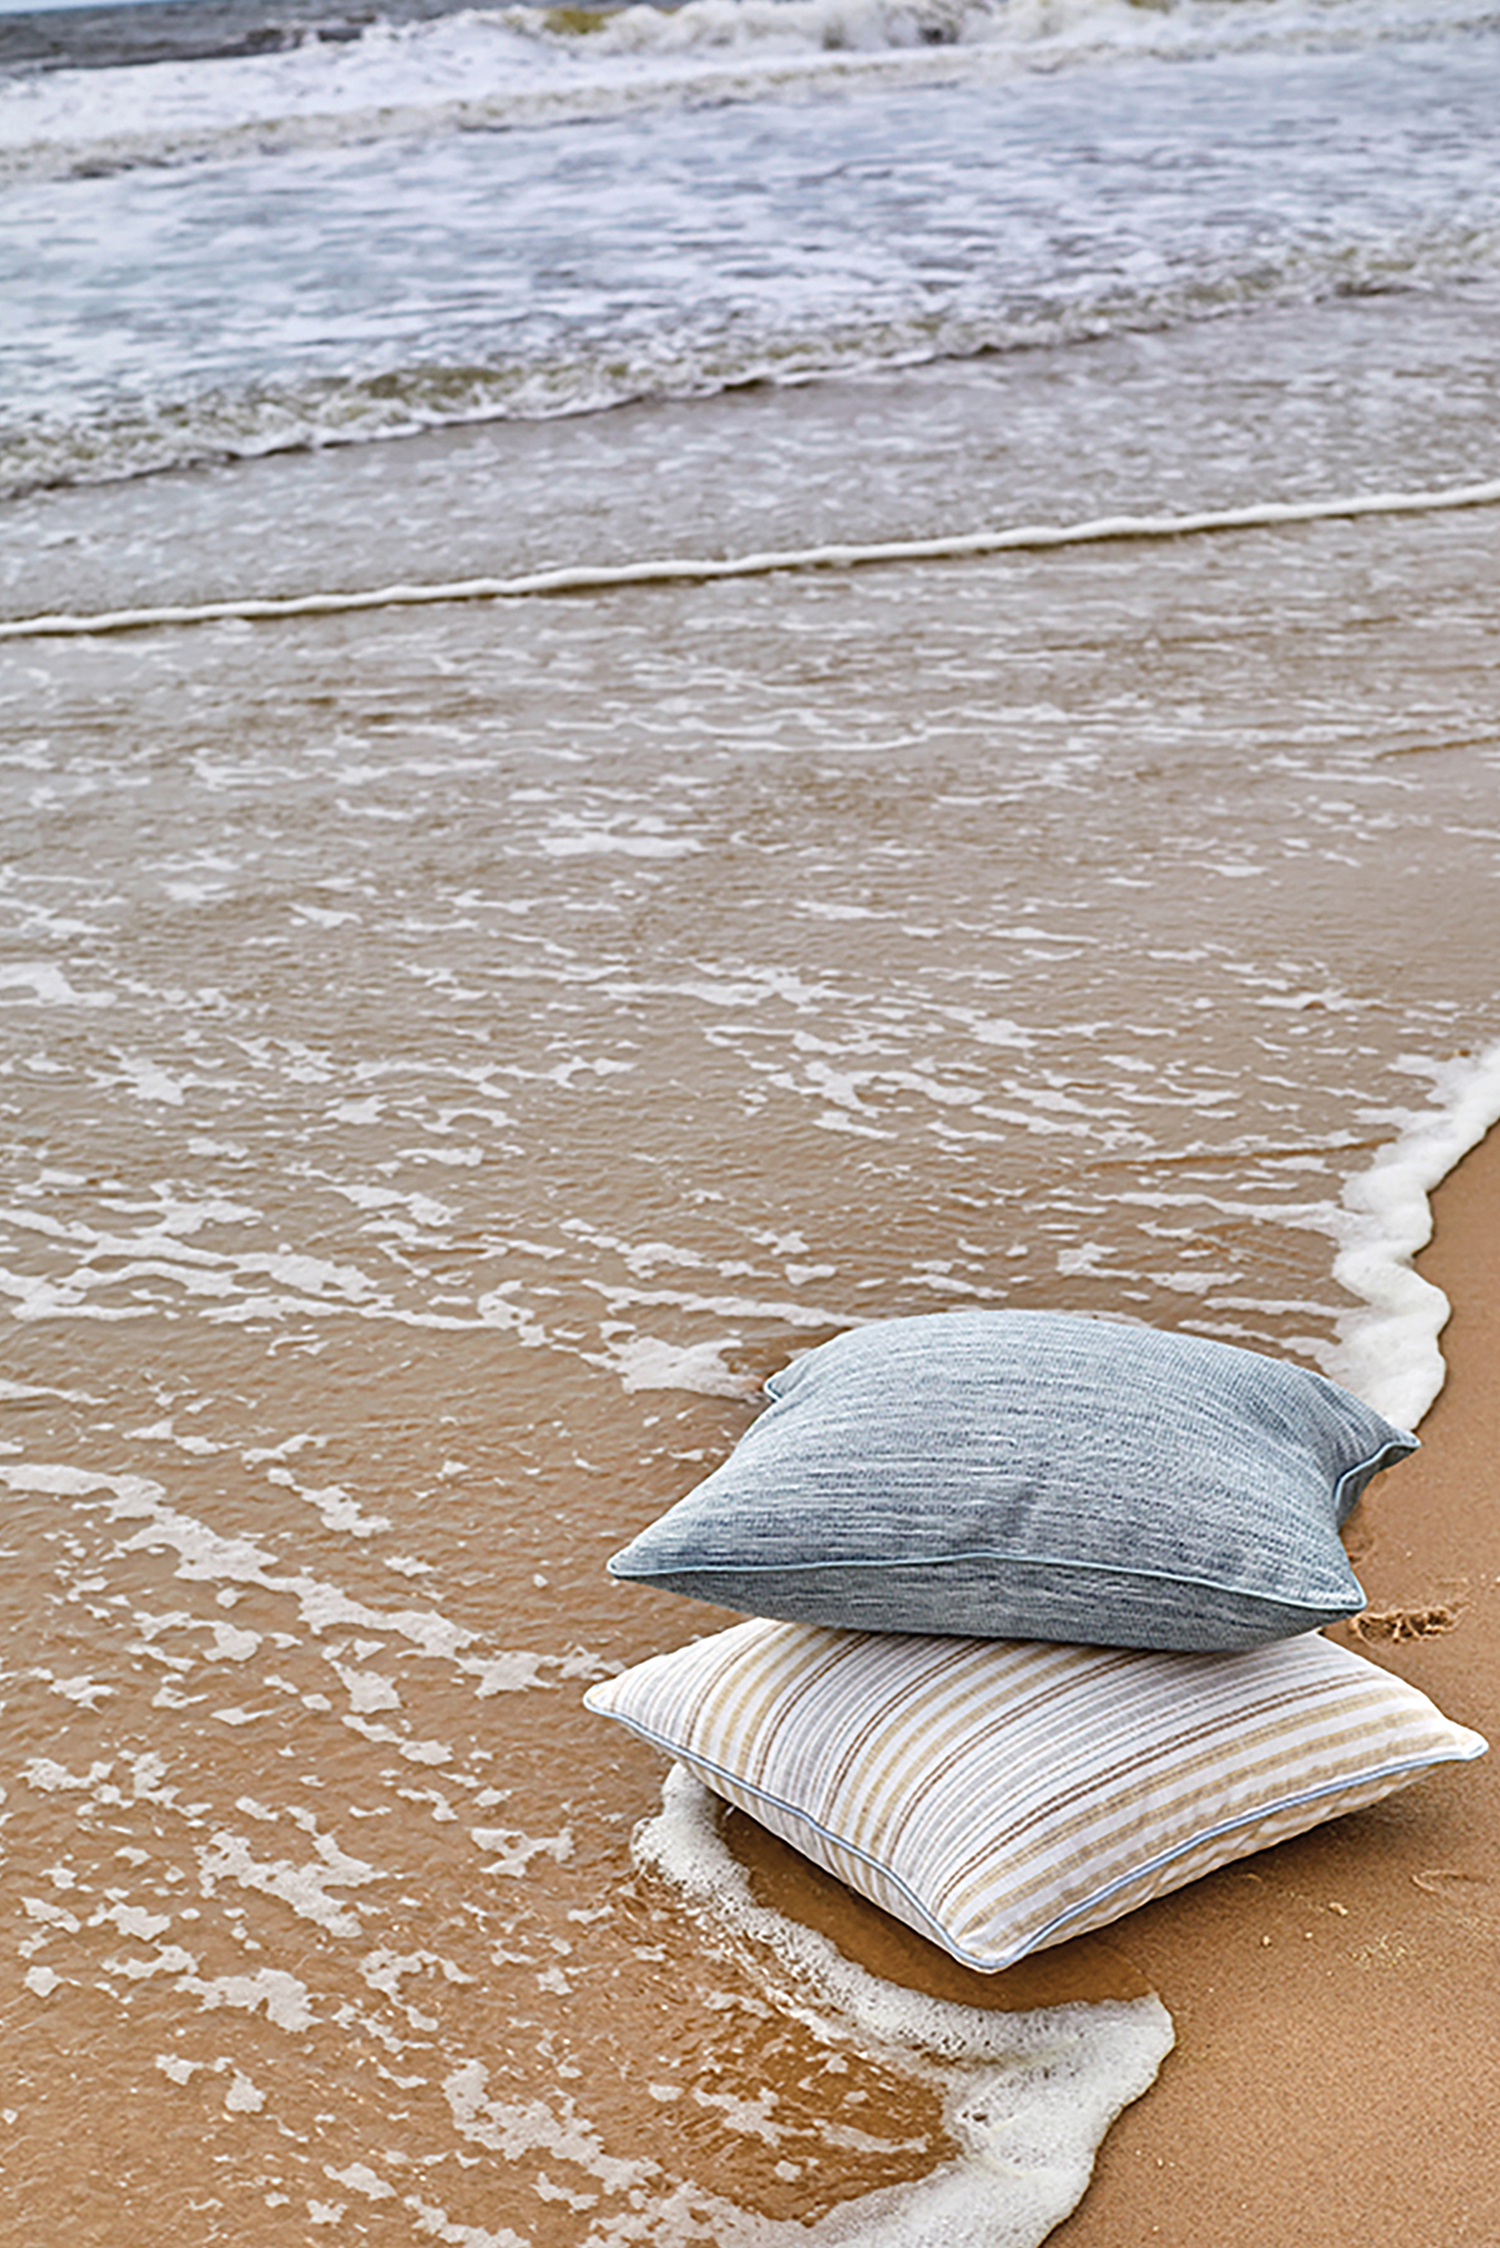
{"points": [[1388, 1350], [515, 67], [1027, 2097]]}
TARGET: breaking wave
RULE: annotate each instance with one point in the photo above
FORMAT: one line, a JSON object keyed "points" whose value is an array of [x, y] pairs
{"points": [[525, 66], [135, 438]]}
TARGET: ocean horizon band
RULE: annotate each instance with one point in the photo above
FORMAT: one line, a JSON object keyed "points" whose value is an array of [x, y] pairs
{"points": [[586, 578]]}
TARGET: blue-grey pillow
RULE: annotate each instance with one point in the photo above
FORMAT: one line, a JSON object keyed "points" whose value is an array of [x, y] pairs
{"points": [[1033, 1475]]}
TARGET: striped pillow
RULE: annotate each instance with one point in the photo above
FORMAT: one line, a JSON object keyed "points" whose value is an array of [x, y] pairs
{"points": [[999, 1795], [1033, 1475]]}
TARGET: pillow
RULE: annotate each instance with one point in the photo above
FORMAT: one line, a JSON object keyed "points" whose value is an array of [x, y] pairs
{"points": [[1033, 1475], [1002, 1796]]}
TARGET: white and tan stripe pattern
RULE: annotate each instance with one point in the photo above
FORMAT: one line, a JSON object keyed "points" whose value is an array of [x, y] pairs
{"points": [[1003, 1795]]}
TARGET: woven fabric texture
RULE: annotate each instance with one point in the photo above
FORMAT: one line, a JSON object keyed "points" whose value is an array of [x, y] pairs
{"points": [[1001, 1797], [1033, 1475]]}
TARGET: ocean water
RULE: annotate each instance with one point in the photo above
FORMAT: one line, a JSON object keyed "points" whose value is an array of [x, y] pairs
{"points": [[450, 1051]]}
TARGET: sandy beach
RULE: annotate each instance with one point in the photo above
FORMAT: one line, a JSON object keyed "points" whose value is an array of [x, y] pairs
{"points": [[431, 1116], [1337, 2068], [1337, 2073], [452, 1051]]}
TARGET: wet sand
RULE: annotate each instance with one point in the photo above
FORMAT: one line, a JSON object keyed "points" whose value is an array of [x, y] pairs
{"points": [[1337, 2072]]}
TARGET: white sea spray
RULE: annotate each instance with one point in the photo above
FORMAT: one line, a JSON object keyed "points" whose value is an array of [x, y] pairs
{"points": [[520, 66], [1389, 1350]]}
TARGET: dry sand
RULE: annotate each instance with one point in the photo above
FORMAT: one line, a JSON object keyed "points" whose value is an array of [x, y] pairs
{"points": [[1337, 2000]]}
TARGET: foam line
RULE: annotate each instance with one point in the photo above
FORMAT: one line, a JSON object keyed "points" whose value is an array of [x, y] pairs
{"points": [[1388, 1350], [1027, 2097], [600, 577]]}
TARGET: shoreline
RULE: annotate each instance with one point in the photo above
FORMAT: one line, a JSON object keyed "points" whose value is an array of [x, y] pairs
{"points": [[1337, 2067]]}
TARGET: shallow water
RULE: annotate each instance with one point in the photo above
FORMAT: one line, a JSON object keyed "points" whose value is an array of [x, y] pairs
{"points": [[444, 1052], [429, 1033]]}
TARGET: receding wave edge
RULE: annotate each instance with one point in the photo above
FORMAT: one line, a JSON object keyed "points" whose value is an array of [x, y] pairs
{"points": [[587, 578]]}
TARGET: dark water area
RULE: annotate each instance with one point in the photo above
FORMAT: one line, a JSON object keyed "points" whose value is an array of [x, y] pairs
{"points": [[150, 31]]}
